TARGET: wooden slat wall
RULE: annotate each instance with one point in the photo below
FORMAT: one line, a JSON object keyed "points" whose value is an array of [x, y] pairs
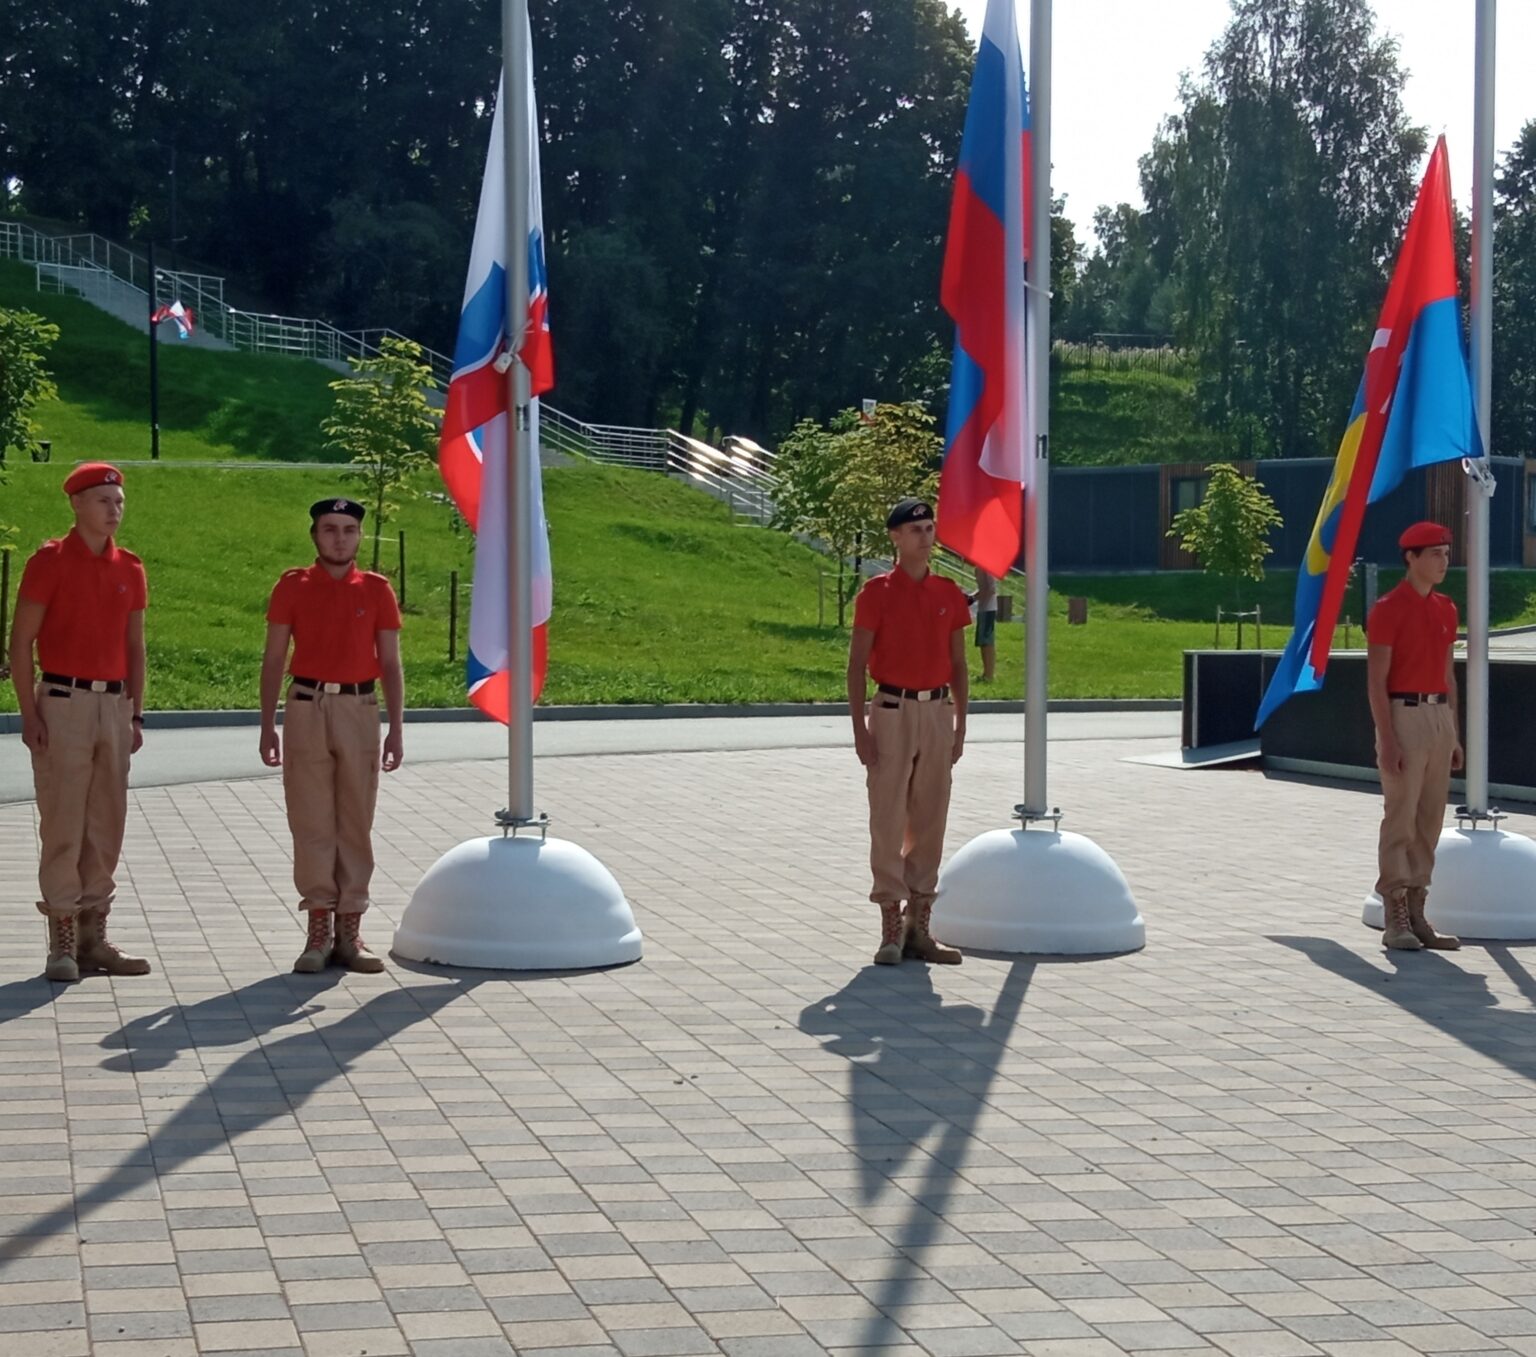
{"points": [[1172, 556], [1528, 544], [1445, 501]]}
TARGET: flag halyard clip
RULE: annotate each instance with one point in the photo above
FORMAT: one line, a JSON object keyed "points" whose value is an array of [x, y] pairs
{"points": [[1029, 817], [511, 823], [1477, 471]]}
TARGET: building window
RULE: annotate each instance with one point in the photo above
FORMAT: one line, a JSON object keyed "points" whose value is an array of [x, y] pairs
{"points": [[1530, 504], [1186, 492]]}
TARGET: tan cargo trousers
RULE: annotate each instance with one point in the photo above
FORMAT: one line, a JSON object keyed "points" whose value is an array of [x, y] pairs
{"points": [[1415, 798], [81, 780], [331, 785], [908, 796]]}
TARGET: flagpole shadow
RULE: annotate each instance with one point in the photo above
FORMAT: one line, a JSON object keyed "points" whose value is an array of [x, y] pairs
{"points": [[1437, 991], [884, 1023], [294, 1067]]}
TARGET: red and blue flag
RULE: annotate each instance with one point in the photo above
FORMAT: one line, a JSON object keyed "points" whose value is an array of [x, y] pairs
{"points": [[986, 471], [1413, 409], [474, 448]]}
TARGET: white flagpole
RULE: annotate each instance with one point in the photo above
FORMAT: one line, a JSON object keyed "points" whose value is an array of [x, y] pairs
{"points": [[1485, 878], [510, 900], [1038, 385], [1017, 890], [517, 132], [1482, 388]]}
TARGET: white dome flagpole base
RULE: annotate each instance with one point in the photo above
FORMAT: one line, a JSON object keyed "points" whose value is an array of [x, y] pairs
{"points": [[518, 903], [1373, 913], [1037, 892], [1484, 886]]}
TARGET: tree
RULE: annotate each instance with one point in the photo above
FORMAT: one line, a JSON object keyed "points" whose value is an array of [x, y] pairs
{"points": [[838, 483], [384, 424], [25, 339], [1276, 198], [1229, 529], [1514, 288]]}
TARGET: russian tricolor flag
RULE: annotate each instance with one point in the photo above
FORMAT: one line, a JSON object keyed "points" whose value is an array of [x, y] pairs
{"points": [[474, 450], [986, 471]]}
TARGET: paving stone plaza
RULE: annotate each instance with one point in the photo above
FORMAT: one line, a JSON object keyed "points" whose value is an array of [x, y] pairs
{"points": [[1261, 1136]]}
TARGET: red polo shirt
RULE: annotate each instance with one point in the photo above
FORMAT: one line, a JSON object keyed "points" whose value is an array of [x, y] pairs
{"points": [[1421, 629], [334, 621], [912, 621], [85, 630]]}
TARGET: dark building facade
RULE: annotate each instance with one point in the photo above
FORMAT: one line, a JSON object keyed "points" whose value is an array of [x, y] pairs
{"points": [[1117, 518]]}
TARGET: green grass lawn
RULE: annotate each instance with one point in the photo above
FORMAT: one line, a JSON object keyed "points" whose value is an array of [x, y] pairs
{"points": [[659, 597], [213, 406]]}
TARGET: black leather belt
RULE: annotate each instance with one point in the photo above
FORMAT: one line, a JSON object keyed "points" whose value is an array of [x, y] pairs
{"points": [[916, 694], [89, 685], [1414, 699], [350, 688]]}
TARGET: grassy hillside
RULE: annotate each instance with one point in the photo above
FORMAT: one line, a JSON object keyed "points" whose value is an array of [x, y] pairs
{"points": [[1101, 418], [213, 406], [659, 597]]}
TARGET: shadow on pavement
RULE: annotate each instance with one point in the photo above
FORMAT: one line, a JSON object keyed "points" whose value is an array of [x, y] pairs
{"points": [[20, 997], [916, 1066], [1435, 990], [263, 1084]]}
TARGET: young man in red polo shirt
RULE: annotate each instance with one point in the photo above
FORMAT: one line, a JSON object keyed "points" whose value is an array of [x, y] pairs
{"points": [[1411, 679], [909, 636], [81, 607], [344, 626]]}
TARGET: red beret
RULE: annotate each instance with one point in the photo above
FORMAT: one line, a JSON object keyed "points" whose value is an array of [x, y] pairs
{"points": [[89, 475], [1422, 535]]}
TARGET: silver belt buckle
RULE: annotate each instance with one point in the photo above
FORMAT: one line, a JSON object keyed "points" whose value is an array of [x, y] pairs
{"points": [[98, 685], [330, 687], [925, 695]]}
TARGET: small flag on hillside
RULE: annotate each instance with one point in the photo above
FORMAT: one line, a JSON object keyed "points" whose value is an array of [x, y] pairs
{"points": [[1413, 409], [182, 315], [986, 469], [474, 449]]}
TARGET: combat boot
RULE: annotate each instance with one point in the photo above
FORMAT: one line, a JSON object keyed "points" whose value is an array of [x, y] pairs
{"points": [[1423, 930], [317, 947], [1397, 932], [95, 953], [62, 943], [921, 944], [893, 932], [351, 951]]}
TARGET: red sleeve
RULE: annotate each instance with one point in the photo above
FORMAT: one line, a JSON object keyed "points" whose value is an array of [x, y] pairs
{"points": [[1381, 626], [386, 607], [138, 594], [962, 609], [40, 578], [280, 609], [868, 607]]}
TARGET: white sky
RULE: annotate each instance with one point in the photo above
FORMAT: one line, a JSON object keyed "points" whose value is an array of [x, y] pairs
{"points": [[1116, 67]]}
